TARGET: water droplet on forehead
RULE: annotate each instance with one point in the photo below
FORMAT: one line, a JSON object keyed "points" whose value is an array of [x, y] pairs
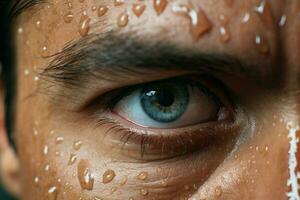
{"points": [[246, 17], [108, 176], [160, 6], [20, 30], [36, 180], [102, 10], [123, 19], [26, 72], [85, 177], [143, 175], [46, 149], [59, 140], [144, 192], [199, 23], [138, 9], [264, 11], [77, 145], [118, 2], [72, 159]]}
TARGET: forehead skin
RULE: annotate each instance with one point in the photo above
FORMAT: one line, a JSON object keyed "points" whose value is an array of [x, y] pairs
{"points": [[244, 175]]}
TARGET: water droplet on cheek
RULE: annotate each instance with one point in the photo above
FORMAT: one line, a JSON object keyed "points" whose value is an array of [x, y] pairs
{"points": [[108, 176], [282, 20], [123, 19], [102, 10], [85, 176], [59, 140], [52, 193], [225, 35], [262, 45], [138, 9], [160, 6], [265, 13], [124, 180]]}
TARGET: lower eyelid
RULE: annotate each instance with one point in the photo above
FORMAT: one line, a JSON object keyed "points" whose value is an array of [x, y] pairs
{"points": [[154, 144]]}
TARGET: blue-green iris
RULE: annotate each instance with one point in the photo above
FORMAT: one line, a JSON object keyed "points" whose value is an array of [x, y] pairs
{"points": [[165, 102]]}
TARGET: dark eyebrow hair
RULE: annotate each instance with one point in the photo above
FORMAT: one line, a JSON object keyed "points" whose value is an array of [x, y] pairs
{"points": [[113, 56], [19, 6]]}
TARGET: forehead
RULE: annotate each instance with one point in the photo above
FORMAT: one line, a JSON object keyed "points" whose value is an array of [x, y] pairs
{"points": [[238, 27]]}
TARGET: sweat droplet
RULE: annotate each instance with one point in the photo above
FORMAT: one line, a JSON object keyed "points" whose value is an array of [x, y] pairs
{"points": [[46, 150], [143, 175], [282, 20], [52, 193], [108, 176], [265, 13], [118, 2], [84, 25], [85, 176], [102, 10], [44, 52], [262, 45], [77, 145], [123, 19], [68, 18], [199, 22], [59, 140], [225, 35], [138, 9], [124, 180], [144, 192], [160, 6], [72, 159], [218, 191]]}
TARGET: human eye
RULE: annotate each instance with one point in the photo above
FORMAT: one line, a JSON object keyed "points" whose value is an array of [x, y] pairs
{"points": [[166, 119]]}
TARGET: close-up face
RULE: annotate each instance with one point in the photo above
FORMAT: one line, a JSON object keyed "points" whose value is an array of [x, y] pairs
{"points": [[155, 99]]}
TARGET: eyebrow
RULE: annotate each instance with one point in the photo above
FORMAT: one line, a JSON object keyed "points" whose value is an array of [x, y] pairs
{"points": [[17, 7], [115, 56]]}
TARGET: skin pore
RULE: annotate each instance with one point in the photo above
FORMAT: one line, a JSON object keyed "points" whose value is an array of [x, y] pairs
{"points": [[76, 138]]}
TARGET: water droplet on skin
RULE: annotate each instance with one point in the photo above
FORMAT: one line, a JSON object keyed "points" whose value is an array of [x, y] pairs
{"points": [[138, 9], [262, 45], [52, 193], [44, 52], [143, 176], [246, 18], [47, 167], [113, 190], [199, 22], [59, 140], [70, 4], [124, 180], [225, 35], [264, 11], [84, 25], [224, 20], [123, 19], [38, 24], [68, 18], [282, 20], [77, 145], [118, 2], [85, 176], [218, 191], [160, 6], [46, 149], [36, 180], [72, 159], [144, 192], [26, 73], [108, 176], [94, 8], [20, 30], [102, 10]]}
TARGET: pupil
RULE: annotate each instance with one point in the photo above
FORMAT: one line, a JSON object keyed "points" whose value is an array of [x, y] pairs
{"points": [[165, 98]]}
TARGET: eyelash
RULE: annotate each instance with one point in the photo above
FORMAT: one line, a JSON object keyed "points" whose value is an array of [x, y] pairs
{"points": [[106, 102]]}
